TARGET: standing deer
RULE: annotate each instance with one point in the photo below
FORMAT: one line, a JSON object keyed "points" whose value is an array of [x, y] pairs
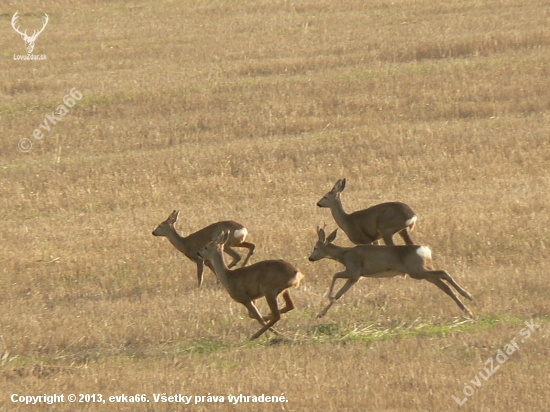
{"points": [[369, 225], [382, 262], [29, 40], [191, 244], [268, 278]]}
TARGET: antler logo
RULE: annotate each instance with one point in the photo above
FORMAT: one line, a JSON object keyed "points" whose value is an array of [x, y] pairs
{"points": [[29, 40]]}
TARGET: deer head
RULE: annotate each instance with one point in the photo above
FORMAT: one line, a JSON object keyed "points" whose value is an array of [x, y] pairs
{"points": [[168, 225], [29, 40], [320, 249]]}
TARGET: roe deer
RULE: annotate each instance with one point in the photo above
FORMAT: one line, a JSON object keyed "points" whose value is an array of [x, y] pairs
{"points": [[191, 244], [382, 262], [369, 225], [268, 278]]}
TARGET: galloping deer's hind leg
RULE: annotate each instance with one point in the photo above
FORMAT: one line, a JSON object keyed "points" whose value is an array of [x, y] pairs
{"points": [[441, 285], [289, 305], [388, 238], [406, 236], [251, 247], [231, 252], [441, 274]]}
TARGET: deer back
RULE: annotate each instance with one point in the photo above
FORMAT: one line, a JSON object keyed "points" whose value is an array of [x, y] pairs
{"points": [[365, 224], [378, 259], [201, 237]]}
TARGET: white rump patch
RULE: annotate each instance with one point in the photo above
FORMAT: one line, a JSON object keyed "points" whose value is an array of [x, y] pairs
{"points": [[411, 221], [424, 252], [298, 278], [240, 233]]}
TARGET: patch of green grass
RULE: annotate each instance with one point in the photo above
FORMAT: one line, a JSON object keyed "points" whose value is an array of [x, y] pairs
{"points": [[373, 74], [420, 68], [373, 332], [205, 347]]}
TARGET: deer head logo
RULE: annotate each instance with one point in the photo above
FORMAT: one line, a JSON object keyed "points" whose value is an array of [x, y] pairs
{"points": [[29, 40]]}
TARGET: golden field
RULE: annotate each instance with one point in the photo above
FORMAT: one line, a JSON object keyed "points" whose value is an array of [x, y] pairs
{"points": [[250, 111]]}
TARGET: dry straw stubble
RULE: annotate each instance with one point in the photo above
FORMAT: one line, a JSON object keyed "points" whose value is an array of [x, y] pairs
{"points": [[250, 111]]}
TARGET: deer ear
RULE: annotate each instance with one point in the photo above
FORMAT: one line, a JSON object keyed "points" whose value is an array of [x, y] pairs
{"points": [[342, 184], [321, 234], [332, 236], [173, 217], [339, 185]]}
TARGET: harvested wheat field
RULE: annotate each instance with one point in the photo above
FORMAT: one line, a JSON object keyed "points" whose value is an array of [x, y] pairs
{"points": [[250, 111]]}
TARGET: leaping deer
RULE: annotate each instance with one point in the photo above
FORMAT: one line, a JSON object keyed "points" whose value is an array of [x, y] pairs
{"points": [[369, 225], [29, 40], [382, 262], [268, 278], [191, 244]]}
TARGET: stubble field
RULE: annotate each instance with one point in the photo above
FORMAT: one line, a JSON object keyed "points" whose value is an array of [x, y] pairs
{"points": [[250, 111]]}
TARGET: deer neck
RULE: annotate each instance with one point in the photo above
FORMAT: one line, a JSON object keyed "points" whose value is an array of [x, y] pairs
{"points": [[339, 214], [179, 242], [336, 252], [221, 269]]}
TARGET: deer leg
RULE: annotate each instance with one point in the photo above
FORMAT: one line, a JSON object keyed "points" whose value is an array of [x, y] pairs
{"points": [[211, 267], [275, 316], [339, 275], [289, 305], [236, 257], [250, 315], [255, 314], [344, 289], [406, 237], [441, 274], [388, 238], [200, 268], [441, 285], [251, 247], [325, 310]]}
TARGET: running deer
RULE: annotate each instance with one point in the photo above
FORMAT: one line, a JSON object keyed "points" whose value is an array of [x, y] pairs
{"points": [[268, 278], [191, 244], [369, 225], [382, 262]]}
